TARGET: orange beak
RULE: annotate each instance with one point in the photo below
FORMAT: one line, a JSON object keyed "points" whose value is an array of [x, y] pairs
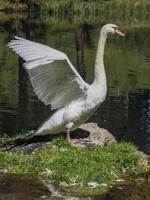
{"points": [[118, 32]]}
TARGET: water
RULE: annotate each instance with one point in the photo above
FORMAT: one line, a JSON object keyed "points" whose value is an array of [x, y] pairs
{"points": [[126, 111], [25, 188]]}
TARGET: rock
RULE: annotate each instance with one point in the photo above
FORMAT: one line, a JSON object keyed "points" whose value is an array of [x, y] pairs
{"points": [[86, 135], [98, 136], [144, 159], [83, 137]]}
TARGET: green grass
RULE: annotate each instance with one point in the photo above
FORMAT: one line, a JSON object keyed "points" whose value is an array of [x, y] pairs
{"points": [[96, 7], [60, 164], [9, 5], [82, 7], [9, 139]]}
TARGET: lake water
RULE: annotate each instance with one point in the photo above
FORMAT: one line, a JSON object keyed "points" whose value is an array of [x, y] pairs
{"points": [[28, 188], [126, 111]]}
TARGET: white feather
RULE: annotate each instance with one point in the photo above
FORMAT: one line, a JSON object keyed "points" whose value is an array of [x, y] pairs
{"points": [[56, 82], [53, 77]]}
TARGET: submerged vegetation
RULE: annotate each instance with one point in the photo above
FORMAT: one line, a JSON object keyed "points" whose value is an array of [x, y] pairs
{"points": [[81, 7], [82, 171]]}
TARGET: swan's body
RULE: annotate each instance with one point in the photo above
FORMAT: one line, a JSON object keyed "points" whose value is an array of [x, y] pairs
{"points": [[56, 82], [72, 115]]}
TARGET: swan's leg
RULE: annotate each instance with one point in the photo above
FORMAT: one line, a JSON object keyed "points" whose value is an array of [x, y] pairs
{"points": [[68, 128], [68, 136]]}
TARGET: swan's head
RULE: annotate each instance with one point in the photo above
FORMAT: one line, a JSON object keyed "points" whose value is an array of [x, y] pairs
{"points": [[112, 28]]}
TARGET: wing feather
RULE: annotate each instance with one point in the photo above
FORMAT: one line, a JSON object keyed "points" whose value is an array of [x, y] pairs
{"points": [[53, 77]]}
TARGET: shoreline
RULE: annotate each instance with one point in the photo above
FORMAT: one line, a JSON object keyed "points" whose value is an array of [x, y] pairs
{"points": [[91, 170]]}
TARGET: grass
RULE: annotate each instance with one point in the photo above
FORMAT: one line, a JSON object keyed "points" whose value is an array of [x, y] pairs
{"points": [[81, 171], [9, 139], [96, 7], [82, 7], [9, 5]]}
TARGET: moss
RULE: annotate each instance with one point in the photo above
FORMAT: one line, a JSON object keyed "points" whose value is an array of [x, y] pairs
{"points": [[82, 171]]}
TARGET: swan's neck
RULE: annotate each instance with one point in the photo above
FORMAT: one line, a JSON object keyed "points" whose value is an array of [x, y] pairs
{"points": [[100, 77]]}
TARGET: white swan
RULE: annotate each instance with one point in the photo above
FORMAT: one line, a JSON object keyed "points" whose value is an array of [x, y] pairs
{"points": [[56, 82]]}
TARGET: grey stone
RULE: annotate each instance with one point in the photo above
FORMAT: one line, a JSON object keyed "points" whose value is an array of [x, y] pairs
{"points": [[144, 159], [86, 135], [98, 136]]}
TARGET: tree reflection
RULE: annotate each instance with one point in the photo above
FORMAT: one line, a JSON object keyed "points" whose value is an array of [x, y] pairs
{"points": [[80, 50], [23, 97]]}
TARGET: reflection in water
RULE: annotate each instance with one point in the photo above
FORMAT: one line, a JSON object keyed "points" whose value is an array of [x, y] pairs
{"points": [[21, 188], [80, 50], [14, 187], [126, 111], [131, 191], [23, 99]]}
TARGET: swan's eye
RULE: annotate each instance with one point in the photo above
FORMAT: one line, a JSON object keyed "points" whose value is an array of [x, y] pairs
{"points": [[115, 28]]}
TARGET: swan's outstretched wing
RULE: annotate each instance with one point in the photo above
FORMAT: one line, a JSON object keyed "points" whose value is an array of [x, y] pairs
{"points": [[53, 77]]}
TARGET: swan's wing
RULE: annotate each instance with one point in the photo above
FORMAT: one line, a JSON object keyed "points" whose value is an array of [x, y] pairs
{"points": [[53, 77]]}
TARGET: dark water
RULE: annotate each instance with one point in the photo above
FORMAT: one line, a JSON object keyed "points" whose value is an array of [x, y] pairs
{"points": [[126, 111], [28, 188]]}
